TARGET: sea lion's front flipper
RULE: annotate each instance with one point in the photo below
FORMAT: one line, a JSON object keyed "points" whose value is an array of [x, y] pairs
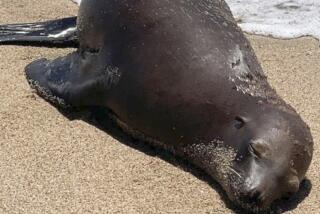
{"points": [[71, 80], [55, 33]]}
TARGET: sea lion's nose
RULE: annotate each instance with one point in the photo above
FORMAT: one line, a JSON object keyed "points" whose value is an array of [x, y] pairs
{"points": [[250, 196], [256, 196]]}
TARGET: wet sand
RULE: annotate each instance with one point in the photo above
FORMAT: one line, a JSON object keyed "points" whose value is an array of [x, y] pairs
{"points": [[50, 164]]}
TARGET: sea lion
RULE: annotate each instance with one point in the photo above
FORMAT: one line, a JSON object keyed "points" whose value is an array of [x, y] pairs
{"points": [[182, 75]]}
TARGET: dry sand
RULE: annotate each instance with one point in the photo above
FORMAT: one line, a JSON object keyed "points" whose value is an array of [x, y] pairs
{"points": [[49, 164]]}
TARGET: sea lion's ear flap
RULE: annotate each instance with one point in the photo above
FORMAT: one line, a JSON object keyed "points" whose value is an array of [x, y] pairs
{"points": [[240, 121], [293, 181], [259, 148]]}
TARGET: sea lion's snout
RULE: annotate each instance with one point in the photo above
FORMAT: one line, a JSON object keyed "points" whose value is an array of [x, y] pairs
{"points": [[260, 187], [264, 186], [256, 196]]}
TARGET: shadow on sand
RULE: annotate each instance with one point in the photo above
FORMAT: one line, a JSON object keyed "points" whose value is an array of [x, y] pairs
{"points": [[99, 117]]}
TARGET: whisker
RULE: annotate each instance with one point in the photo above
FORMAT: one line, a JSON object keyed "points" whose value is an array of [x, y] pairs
{"points": [[235, 172]]}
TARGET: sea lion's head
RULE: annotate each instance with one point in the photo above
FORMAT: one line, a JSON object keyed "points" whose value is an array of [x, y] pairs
{"points": [[272, 158]]}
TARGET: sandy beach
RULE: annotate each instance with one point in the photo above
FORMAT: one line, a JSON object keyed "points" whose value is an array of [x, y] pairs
{"points": [[51, 164]]}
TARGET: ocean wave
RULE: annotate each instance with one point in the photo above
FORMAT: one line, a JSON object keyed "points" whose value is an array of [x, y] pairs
{"points": [[278, 18]]}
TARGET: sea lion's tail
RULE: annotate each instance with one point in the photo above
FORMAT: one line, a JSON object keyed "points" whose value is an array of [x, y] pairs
{"points": [[56, 33]]}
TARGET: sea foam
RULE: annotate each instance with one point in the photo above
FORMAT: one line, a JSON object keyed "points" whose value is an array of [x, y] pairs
{"points": [[278, 18], [77, 1]]}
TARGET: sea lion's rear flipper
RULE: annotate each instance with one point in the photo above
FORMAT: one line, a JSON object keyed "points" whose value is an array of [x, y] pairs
{"points": [[72, 81], [56, 33]]}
